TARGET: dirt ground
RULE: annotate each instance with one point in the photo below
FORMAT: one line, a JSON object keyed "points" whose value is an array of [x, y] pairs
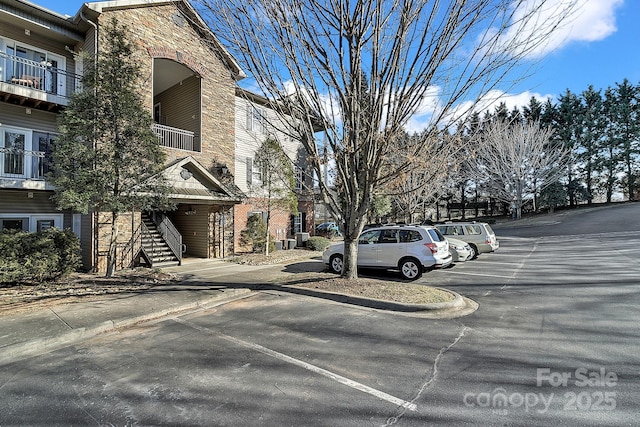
{"points": [[88, 286]]}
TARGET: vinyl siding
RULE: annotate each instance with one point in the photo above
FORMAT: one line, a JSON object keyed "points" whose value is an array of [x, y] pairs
{"points": [[15, 115], [248, 141], [18, 201], [178, 107], [194, 229]]}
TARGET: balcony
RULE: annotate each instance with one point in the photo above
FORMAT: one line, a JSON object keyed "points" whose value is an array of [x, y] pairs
{"points": [[17, 164], [179, 139], [35, 84]]}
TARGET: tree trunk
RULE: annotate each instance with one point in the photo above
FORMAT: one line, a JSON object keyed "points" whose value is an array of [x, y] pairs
{"points": [[350, 260]]}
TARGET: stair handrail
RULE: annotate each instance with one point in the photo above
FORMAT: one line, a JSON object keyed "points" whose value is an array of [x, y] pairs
{"points": [[130, 248], [169, 233]]}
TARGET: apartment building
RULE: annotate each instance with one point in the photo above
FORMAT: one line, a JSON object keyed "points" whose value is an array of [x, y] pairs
{"points": [[189, 86], [255, 121]]}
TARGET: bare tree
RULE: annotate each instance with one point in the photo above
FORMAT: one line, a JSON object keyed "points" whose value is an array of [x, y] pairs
{"points": [[363, 69], [413, 189], [277, 182], [516, 159]]}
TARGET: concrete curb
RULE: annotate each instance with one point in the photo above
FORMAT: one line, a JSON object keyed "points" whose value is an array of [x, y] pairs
{"points": [[460, 306], [43, 345]]}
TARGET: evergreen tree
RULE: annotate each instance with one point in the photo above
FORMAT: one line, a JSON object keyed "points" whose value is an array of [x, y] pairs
{"points": [[608, 164], [567, 125], [625, 130], [533, 111], [107, 158], [594, 125]]}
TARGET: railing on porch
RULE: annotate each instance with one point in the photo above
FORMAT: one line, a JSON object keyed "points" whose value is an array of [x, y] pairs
{"points": [[169, 233], [23, 164], [41, 76], [175, 138]]}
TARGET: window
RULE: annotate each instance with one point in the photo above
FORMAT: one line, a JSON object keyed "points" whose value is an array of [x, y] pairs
{"points": [[408, 236], [28, 66], [44, 224], [436, 235], [297, 223], [255, 119], [473, 229], [299, 178], [389, 236], [369, 237], [21, 224], [30, 222], [14, 145], [42, 143], [254, 172]]}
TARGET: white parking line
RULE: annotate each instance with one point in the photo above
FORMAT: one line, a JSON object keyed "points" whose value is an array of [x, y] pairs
{"points": [[478, 274], [283, 357]]}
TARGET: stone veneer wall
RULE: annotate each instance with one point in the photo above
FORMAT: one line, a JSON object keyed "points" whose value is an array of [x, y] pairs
{"points": [[154, 33]]}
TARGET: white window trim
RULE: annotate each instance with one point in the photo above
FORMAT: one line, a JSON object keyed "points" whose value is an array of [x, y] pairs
{"points": [[58, 219], [62, 61]]}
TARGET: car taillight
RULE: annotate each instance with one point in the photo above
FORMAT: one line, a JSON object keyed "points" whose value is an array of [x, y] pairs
{"points": [[432, 247]]}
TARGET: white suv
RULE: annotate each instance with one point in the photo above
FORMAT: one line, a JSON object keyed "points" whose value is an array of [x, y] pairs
{"points": [[412, 249], [479, 235]]}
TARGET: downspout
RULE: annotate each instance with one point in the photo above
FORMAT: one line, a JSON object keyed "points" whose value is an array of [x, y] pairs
{"points": [[96, 221]]}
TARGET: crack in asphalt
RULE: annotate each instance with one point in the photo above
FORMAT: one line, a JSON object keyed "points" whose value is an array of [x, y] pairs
{"points": [[432, 377]]}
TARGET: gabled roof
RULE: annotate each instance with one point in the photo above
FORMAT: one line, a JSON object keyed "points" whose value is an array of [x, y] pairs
{"points": [[93, 9], [192, 183]]}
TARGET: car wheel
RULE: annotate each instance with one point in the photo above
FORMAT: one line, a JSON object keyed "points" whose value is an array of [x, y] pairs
{"points": [[474, 252], [410, 268], [335, 264]]}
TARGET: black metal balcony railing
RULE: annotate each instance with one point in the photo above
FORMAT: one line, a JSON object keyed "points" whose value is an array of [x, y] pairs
{"points": [[23, 164], [40, 76]]}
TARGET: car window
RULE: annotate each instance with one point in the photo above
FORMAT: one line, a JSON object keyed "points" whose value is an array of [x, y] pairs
{"points": [[489, 229], [473, 229], [436, 236], [369, 237], [407, 236], [388, 236]]}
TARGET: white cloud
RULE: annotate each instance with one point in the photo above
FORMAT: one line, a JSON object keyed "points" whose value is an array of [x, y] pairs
{"points": [[488, 102], [589, 20]]}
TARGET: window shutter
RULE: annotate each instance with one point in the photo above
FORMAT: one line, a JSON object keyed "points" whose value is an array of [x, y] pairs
{"points": [[249, 163]]}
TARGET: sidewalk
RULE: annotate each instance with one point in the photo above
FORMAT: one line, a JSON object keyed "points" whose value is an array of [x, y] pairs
{"points": [[205, 283]]}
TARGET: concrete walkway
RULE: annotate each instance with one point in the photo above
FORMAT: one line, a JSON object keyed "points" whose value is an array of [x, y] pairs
{"points": [[204, 283]]}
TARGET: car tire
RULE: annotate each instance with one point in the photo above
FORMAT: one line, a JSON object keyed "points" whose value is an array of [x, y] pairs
{"points": [[410, 268], [336, 264], [474, 252]]}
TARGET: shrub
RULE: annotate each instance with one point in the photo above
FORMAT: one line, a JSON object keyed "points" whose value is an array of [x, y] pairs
{"points": [[254, 235], [318, 243], [37, 257]]}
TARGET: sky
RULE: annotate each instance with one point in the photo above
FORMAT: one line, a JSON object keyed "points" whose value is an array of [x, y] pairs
{"points": [[598, 47]]}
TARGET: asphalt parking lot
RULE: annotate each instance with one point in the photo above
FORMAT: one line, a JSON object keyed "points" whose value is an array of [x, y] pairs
{"points": [[554, 341]]}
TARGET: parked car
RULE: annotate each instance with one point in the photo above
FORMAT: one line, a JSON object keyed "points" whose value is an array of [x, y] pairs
{"points": [[410, 249], [479, 235], [328, 229], [460, 250]]}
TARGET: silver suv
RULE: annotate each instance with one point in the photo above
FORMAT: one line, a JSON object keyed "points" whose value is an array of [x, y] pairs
{"points": [[412, 249], [479, 235]]}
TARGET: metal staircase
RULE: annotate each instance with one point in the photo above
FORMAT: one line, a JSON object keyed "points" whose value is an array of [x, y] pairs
{"points": [[161, 244]]}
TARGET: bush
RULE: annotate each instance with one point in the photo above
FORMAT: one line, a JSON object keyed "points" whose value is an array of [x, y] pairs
{"points": [[254, 235], [318, 243], [37, 257]]}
